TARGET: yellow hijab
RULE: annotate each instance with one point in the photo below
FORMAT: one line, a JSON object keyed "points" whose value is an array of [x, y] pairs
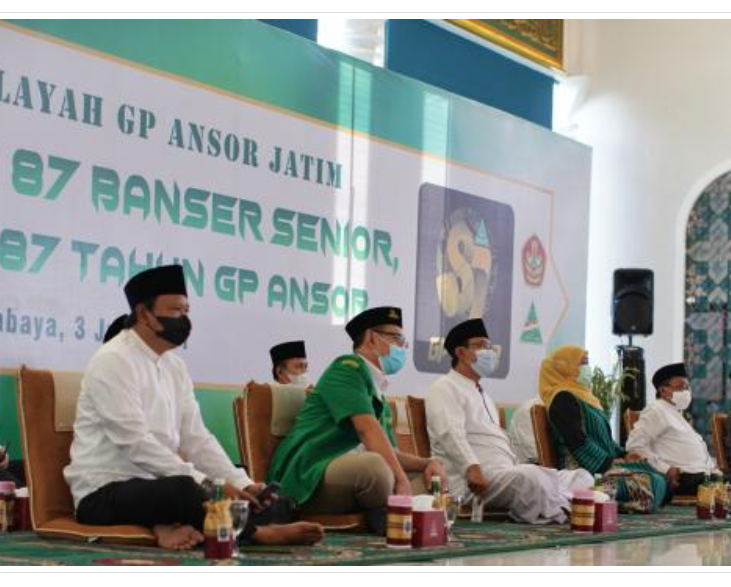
{"points": [[559, 372]]}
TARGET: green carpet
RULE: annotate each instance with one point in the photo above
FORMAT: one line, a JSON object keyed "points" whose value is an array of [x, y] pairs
{"points": [[345, 549]]}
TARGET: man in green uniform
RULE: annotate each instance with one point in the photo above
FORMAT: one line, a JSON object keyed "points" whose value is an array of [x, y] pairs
{"points": [[340, 456]]}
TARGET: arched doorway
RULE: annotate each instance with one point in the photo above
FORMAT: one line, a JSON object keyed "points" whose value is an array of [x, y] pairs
{"points": [[707, 334]]}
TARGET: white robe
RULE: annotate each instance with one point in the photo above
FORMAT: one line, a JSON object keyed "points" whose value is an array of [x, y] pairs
{"points": [[667, 440], [137, 417], [464, 430]]}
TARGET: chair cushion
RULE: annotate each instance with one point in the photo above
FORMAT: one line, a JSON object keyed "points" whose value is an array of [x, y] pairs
{"points": [[256, 425], [287, 402], [46, 454], [718, 429], [69, 528], [67, 387], [544, 443], [46, 451], [417, 419], [403, 426]]}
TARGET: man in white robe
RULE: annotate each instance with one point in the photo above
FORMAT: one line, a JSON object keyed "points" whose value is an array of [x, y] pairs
{"points": [[141, 453], [666, 439], [465, 434]]}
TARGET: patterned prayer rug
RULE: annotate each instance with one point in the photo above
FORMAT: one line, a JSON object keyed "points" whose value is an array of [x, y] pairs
{"points": [[357, 549]]}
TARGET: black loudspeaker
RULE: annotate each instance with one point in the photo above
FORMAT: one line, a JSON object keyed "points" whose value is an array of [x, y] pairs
{"points": [[632, 302]]}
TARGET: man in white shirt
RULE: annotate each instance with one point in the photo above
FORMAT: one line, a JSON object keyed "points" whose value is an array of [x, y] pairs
{"points": [[289, 363], [665, 438], [465, 433], [141, 453]]}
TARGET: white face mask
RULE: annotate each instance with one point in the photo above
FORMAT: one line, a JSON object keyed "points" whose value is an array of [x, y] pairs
{"points": [[584, 377], [299, 379], [485, 362], [681, 399]]}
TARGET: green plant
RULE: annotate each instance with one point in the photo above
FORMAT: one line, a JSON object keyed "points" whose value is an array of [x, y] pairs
{"points": [[607, 387]]}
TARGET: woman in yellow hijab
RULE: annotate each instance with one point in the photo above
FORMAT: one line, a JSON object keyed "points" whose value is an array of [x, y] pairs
{"points": [[562, 371], [582, 433]]}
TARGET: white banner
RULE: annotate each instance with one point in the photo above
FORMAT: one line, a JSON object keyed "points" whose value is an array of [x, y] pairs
{"points": [[286, 226]]}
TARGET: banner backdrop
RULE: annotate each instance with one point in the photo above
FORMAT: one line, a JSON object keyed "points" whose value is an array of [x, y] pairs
{"points": [[292, 203]]}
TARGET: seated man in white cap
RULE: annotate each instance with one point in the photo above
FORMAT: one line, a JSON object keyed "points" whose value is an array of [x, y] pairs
{"points": [[141, 453], [465, 433], [289, 363], [665, 438], [341, 457]]}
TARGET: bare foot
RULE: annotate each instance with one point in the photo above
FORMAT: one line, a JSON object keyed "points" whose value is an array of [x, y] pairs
{"points": [[298, 533], [177, 537]]}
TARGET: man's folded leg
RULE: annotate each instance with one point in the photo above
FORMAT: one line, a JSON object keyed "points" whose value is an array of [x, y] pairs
{"points": [[352, 483], [145, 502]]}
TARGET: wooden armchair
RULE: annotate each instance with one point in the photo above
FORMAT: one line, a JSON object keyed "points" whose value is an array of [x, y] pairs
{"points": [[47, 435]]}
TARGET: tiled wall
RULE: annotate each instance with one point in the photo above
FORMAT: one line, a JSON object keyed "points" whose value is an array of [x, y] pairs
{"points": [[707, 285]]}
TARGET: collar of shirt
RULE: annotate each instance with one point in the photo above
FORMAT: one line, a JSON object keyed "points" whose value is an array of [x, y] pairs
{"points": [[470, 384], [671, 411], [142, 346], [465, 381], [379, 377]]}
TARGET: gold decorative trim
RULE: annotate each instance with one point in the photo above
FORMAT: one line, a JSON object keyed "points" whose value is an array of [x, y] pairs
{"points": [[516, 36]]}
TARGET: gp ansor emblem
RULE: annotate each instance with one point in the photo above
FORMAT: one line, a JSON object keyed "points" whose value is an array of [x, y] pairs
{"points": [[464, 270]]}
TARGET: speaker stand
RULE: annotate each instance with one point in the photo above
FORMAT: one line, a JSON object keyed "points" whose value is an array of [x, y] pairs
{"points": [[632, 358]]}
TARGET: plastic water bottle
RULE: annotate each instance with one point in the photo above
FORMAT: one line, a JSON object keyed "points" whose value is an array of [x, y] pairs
{"points": [[478, 509]]}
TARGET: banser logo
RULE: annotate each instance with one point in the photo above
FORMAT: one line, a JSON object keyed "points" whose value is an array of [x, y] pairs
{"points": [[464, 271]]}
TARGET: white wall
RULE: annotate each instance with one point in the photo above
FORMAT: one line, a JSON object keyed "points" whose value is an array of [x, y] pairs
{"points": [[656, 108]]}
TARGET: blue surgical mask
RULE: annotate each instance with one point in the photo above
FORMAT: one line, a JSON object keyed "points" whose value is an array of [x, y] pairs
{"points": [[485, 363], [394, 361], [584, 377]]}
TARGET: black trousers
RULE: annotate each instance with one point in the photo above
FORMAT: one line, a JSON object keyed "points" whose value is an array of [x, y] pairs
{"points": [[149, 502], [145, 502], [689, 483]]}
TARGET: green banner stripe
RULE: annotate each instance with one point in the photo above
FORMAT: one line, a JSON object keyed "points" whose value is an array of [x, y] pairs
{"points": [[268, 65]]}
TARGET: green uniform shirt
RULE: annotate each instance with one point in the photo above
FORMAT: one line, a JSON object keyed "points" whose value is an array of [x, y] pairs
{"points": [[323, 430]]}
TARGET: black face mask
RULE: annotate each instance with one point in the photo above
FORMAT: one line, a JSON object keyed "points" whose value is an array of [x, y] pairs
{"points": [[175, 330]]}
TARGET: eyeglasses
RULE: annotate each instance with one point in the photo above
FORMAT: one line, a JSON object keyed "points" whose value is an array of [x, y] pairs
{"points": [[397, 338], [681, 388], [481, 346]]}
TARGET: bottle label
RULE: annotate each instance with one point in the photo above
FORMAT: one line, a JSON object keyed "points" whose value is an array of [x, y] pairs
{"points": [[223, 533], [399, 527]]}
